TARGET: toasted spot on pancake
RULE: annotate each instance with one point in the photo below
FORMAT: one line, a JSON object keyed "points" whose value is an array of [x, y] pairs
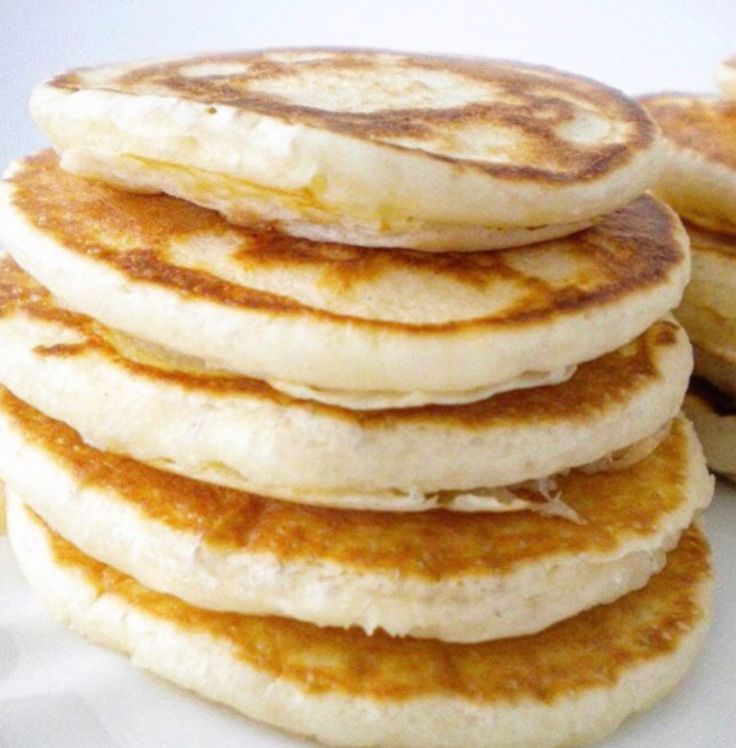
{"points": [[564, 660], [537, 124], [154, 239]]}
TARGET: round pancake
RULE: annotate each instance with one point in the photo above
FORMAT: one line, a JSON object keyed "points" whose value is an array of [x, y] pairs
{"points": [[714, 414], [363, 147], [699, 177], [331, 316], [708, 308], [447, 576], [573, 683], [242, 433], [726, 77]]}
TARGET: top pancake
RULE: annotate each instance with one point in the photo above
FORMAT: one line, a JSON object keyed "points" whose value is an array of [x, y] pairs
{"points": [[369, 147], [699, 178], [332, 316]]}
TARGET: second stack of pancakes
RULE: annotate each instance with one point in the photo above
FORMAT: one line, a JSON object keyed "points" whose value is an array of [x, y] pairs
{"points": [[699, 182], [389, 481]]}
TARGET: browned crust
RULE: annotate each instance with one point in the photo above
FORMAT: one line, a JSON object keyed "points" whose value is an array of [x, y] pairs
{"points": [[629, 251], [595, 386], [702, 124], [541, 96], [616, 507], [590, 651]]}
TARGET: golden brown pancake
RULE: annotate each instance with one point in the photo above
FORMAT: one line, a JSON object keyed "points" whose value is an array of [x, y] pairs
{"points": [[574, 682], [699, 178], [331, 316], [357, 145], [240, 432], [447, 575]]}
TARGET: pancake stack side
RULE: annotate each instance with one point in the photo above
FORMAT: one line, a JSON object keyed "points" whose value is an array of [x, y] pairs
{"points": [[342, 387]]}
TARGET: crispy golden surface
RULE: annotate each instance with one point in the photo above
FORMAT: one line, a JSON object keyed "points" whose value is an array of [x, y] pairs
{"points": [[615, 507], [628, 252], [435, 105], [591, 650], [596, 385], [702, 124]]}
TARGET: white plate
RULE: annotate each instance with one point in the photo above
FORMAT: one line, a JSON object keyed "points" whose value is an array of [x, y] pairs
{"points": [[58, 691]]}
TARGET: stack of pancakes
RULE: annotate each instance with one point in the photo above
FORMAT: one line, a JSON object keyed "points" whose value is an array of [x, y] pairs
{"points": [[282, 426], [699, 181]]}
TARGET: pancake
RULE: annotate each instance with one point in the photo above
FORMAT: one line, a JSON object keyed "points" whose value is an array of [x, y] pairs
{"points": [[726, 77], [699, 177], [573, 683], [718, 366], [436, 574], [242, 433], [708, 309], [714, 414], [332, 316], [362, 147]]}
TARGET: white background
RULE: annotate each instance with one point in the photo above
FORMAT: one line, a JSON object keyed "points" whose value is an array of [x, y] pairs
{"points": [[56, 690]]}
